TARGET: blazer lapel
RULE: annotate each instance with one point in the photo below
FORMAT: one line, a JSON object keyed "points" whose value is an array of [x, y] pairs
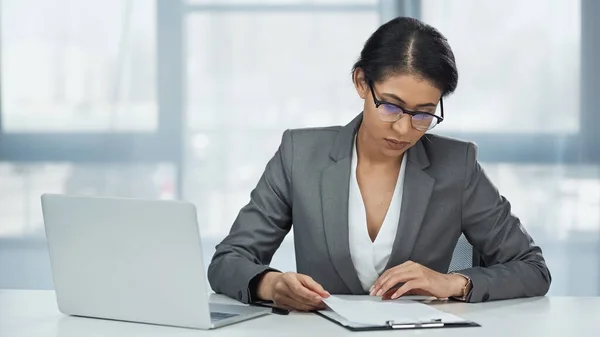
{"points": [[418, 186], [334, 197]]}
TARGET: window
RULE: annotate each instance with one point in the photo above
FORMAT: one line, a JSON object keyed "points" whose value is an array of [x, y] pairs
{"points": [[559, 205], [248, 80], [521, 98], [189, 99], [540, 92], [79, 106], [282, 2], [78, 66], [556, 202], [21, 186]]}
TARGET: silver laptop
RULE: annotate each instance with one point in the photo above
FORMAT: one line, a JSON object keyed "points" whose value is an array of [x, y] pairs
{"points": [[132, 260]]}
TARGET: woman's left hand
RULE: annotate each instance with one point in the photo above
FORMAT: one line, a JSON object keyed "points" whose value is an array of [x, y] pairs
{"points": [[417, 279]]}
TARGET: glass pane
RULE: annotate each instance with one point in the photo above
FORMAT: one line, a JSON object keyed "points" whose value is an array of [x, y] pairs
{"points": [[251, 71], [22, 185], [248, 80], [559, 205], [78, 65], [518, 68], [283, 2], [250, 76]]}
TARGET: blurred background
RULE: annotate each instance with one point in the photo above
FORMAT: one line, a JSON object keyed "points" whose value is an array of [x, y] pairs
{"points": [[174, 99]]}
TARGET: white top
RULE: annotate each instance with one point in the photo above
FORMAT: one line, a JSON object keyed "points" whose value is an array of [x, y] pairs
{"points": [[370, 258], [34, 314]]}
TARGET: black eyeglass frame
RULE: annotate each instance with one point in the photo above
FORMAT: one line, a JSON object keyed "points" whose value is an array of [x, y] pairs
{"points": [[378, 103]]}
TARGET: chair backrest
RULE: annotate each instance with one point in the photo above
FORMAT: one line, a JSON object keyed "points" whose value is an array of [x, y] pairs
{"points": [[464, 256]]}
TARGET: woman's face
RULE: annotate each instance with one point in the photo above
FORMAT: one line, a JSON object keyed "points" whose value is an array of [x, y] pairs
{"points": [[406, 91]]}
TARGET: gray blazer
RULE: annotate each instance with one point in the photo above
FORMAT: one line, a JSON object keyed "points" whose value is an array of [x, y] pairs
{"points": [[446, 193]]}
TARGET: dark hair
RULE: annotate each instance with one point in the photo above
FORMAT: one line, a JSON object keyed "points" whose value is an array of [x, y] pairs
{"points": [[409, 46]]}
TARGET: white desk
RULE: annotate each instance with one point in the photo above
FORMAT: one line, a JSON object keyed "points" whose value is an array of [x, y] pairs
{"points": [[33, 313]]}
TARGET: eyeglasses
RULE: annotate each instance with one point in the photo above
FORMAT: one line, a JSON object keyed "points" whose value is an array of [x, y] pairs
{"points": [[422, 121]]}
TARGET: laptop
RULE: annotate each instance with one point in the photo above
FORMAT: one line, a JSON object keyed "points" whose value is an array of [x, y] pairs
{"points": [[132, 260]]}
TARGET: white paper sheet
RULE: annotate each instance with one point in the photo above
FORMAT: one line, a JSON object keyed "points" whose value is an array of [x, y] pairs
{"points": [[378, 313], [334, 316]]}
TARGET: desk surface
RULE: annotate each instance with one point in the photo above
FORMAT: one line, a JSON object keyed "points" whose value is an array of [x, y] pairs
{"points": [[34, 313]]}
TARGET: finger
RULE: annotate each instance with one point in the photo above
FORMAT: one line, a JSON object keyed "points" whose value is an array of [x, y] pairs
{"points": [[321, 306], [390, 291], [406, 287], [394, 279], [307, 306], [391, 270], [311, 284], [388, 295], [384, 281], [387, 274], [300, 293], [286, 302], [419, 292]]}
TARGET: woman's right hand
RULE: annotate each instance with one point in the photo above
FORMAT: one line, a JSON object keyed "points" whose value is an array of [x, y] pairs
{"points": [[292, 291]]}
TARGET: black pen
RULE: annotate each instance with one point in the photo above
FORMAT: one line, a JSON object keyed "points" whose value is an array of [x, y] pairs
{"points": [[274, 309]]}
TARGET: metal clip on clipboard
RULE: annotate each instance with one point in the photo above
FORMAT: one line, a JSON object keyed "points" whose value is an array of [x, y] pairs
{"points": [[435, 323]]}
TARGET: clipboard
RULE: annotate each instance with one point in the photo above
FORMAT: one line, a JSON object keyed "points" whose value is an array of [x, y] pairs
{"points": [[391, 325], [431, 320]]}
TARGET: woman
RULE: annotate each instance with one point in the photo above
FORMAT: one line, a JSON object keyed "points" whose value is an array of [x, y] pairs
{"points": [[377, 205]]}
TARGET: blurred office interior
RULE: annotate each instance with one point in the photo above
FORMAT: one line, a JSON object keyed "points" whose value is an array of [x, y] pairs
{"points": [[175, 99]]}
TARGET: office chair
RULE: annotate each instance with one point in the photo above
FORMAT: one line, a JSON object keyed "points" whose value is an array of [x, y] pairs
{"points": [[464, 256]]}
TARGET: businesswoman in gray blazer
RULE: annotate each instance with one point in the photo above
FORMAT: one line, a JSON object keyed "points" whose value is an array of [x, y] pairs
{"points": [[377, 206]]}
